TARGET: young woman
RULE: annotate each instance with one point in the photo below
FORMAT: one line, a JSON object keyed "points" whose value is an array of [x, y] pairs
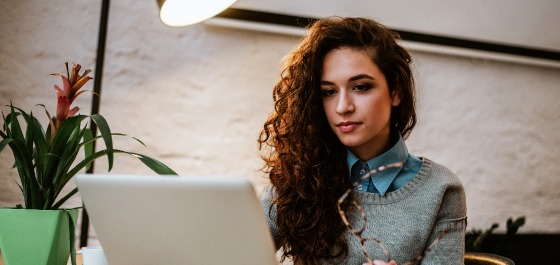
{"points": [[343, 106]]}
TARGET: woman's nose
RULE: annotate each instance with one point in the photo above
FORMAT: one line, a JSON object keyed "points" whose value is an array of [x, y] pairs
{"points": [[344, 104]]}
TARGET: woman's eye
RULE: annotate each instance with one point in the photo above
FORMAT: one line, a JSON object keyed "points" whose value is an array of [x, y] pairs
{"points": [[328, 92], [362, 87]]}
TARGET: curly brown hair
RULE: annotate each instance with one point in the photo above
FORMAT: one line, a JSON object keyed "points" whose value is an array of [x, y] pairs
{"points": [[306, 162]]}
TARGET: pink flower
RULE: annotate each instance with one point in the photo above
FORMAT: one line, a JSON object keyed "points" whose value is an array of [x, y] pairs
{"points": [[72, 83]]}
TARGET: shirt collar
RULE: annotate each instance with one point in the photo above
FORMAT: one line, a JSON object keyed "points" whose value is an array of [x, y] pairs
{"points": [[382, 180]]}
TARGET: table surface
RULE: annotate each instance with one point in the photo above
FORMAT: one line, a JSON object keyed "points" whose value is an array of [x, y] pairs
{"points": [[78, 260]]}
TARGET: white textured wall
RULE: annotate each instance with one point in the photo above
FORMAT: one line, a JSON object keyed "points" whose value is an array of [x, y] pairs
{"points": [[198, 95]]}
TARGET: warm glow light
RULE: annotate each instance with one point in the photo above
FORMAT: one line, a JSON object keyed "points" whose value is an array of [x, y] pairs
{"points": [[177, 13]]}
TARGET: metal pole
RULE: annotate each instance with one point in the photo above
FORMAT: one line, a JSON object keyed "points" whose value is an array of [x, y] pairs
{"points": [[96, 101]]}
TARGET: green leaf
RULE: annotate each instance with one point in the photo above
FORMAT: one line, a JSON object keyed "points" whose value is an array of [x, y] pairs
{"points": [[122, 134], [72, 237], [28, 135], [105, 131], [33, 137], [153, 164], [62, 147], [88, 144], [36, 145], [64, 199], [60, 144], [70, 151], [4, 142], [31, 189], [513, 226], [113, 134], [66, 160], [15, 128]]}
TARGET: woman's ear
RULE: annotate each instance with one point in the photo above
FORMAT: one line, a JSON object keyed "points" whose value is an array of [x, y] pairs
{"points": [[396, 97]]}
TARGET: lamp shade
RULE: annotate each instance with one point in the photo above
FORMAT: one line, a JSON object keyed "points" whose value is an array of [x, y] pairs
{"points": [[177, 13]]}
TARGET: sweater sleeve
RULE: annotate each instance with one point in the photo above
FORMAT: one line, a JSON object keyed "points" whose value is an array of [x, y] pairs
{"points": [[450, 225], [270, 214]]}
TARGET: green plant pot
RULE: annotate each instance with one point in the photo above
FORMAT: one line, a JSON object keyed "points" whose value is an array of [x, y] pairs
{"points": [[38, 237]]}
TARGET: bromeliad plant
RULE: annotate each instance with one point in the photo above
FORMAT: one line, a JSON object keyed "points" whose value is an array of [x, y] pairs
{"points": [[45, 160]]}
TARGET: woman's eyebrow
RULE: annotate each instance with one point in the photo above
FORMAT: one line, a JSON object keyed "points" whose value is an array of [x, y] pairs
{"points": [[353, 78], [360, 76]]}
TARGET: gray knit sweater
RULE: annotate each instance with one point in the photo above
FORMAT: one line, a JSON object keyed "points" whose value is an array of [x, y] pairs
{"points": [[409, 219]]}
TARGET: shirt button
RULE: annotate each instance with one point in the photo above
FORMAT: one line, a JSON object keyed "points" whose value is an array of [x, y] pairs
{"points": [[360, 187], [362, 172]]}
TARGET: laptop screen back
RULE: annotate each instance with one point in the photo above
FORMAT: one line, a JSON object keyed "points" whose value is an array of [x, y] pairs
{"points": [[177, 220]]}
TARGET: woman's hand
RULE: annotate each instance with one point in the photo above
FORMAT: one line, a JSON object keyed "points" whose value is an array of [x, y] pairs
{"points": [[380, 262]]}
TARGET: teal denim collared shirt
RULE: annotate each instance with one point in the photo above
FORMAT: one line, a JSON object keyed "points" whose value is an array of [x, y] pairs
{"points": [[390, 179]]}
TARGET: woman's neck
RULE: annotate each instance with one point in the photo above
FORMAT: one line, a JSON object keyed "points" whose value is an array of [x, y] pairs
{"points": [[377, 147]]}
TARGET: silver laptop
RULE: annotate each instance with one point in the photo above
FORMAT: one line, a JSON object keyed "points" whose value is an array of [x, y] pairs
{"points": [[177, 220]]}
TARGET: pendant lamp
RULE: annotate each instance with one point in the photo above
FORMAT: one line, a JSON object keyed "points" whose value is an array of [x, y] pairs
{"points": [[178, 13]]}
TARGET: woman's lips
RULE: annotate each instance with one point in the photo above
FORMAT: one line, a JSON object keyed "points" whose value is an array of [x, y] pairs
{"points": [[348, 126]]}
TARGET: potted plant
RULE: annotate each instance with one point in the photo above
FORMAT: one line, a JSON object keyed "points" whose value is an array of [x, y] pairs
{"points": [[486, 244], [39, 231]]}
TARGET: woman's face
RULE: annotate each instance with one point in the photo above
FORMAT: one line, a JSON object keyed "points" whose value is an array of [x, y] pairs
{"points": [[357, 101]]}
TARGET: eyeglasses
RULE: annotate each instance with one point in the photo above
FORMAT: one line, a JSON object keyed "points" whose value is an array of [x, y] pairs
{"points": [[358, 232]]}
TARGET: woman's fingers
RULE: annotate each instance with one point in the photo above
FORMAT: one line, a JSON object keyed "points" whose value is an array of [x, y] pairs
{"points": [[380, 262]]}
